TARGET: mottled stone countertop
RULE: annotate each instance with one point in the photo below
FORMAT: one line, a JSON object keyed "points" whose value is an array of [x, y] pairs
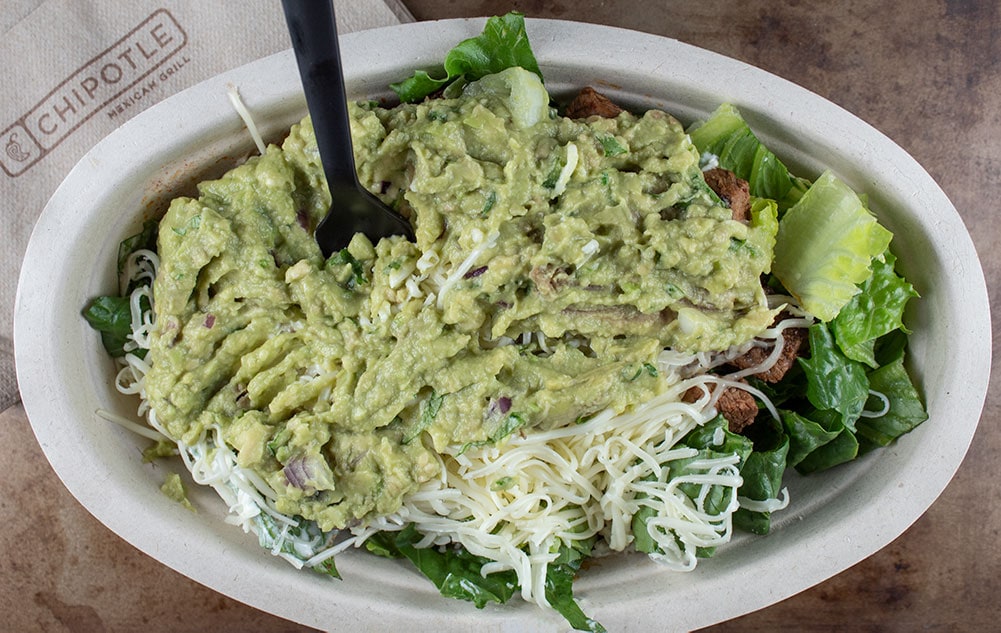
{"points": [[926, 73]]}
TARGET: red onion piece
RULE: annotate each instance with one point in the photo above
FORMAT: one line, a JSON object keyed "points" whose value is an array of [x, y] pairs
{"points": [[476, 272]]}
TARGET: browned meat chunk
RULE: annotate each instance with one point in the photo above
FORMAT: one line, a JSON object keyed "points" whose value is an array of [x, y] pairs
{"points": [[591, 103], [793, 345], [736, 405], [734, 191]]}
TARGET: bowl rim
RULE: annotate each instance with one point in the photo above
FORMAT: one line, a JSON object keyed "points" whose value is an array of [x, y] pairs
{"points": [[271, 85]]}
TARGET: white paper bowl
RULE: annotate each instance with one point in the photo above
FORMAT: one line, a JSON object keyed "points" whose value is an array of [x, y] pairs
{"points": [[836, 518]]}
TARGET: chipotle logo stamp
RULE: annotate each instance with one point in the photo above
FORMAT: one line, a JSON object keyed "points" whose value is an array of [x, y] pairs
{"points": [[114, 81]]}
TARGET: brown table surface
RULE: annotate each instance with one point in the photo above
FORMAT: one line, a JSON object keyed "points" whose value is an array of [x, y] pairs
{"points": [[927, 73]]}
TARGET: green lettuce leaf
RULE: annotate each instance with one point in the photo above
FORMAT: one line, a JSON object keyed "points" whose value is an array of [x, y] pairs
{"points": [[642, 541], [824, 247], [112, 317], [890, 347], [762, 474], [559, 587], [834, 381], [764, 224], [727, 135], [145, 238], [906, 410], [454, 571], [457, 573], [843, 448], [503, 44], [702, 438], [791, 388], [805, 436], [877, 310], [835, 431]]}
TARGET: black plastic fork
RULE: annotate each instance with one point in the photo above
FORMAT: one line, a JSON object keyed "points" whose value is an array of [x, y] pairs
{"points": [[312, 27]]}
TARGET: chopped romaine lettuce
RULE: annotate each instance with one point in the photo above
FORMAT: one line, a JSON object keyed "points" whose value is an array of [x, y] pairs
{"points": [[891, 347], [762, 473], [824, 247], [904, 410], [112, 317], [843, 448], [457, 573], [832, 255], [838, 428], [145, 238], [764, 216], [559, 586], [877, 310], [834, 381], [453, 570], [805, 436], [704, 439], [503, 44], [727, 136]]}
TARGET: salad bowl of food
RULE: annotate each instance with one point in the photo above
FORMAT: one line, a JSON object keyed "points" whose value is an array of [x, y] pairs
{"points": [[530, 401]]}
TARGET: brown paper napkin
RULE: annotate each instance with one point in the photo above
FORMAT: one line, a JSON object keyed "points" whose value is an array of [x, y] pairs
{"points": [[75, 70]]}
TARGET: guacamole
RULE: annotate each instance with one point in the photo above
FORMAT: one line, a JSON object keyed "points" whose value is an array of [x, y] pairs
{"points": [[554, 260]]}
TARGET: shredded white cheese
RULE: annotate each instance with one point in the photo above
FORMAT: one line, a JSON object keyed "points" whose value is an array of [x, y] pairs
{"points": [[234, 98], [572, 483]]}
